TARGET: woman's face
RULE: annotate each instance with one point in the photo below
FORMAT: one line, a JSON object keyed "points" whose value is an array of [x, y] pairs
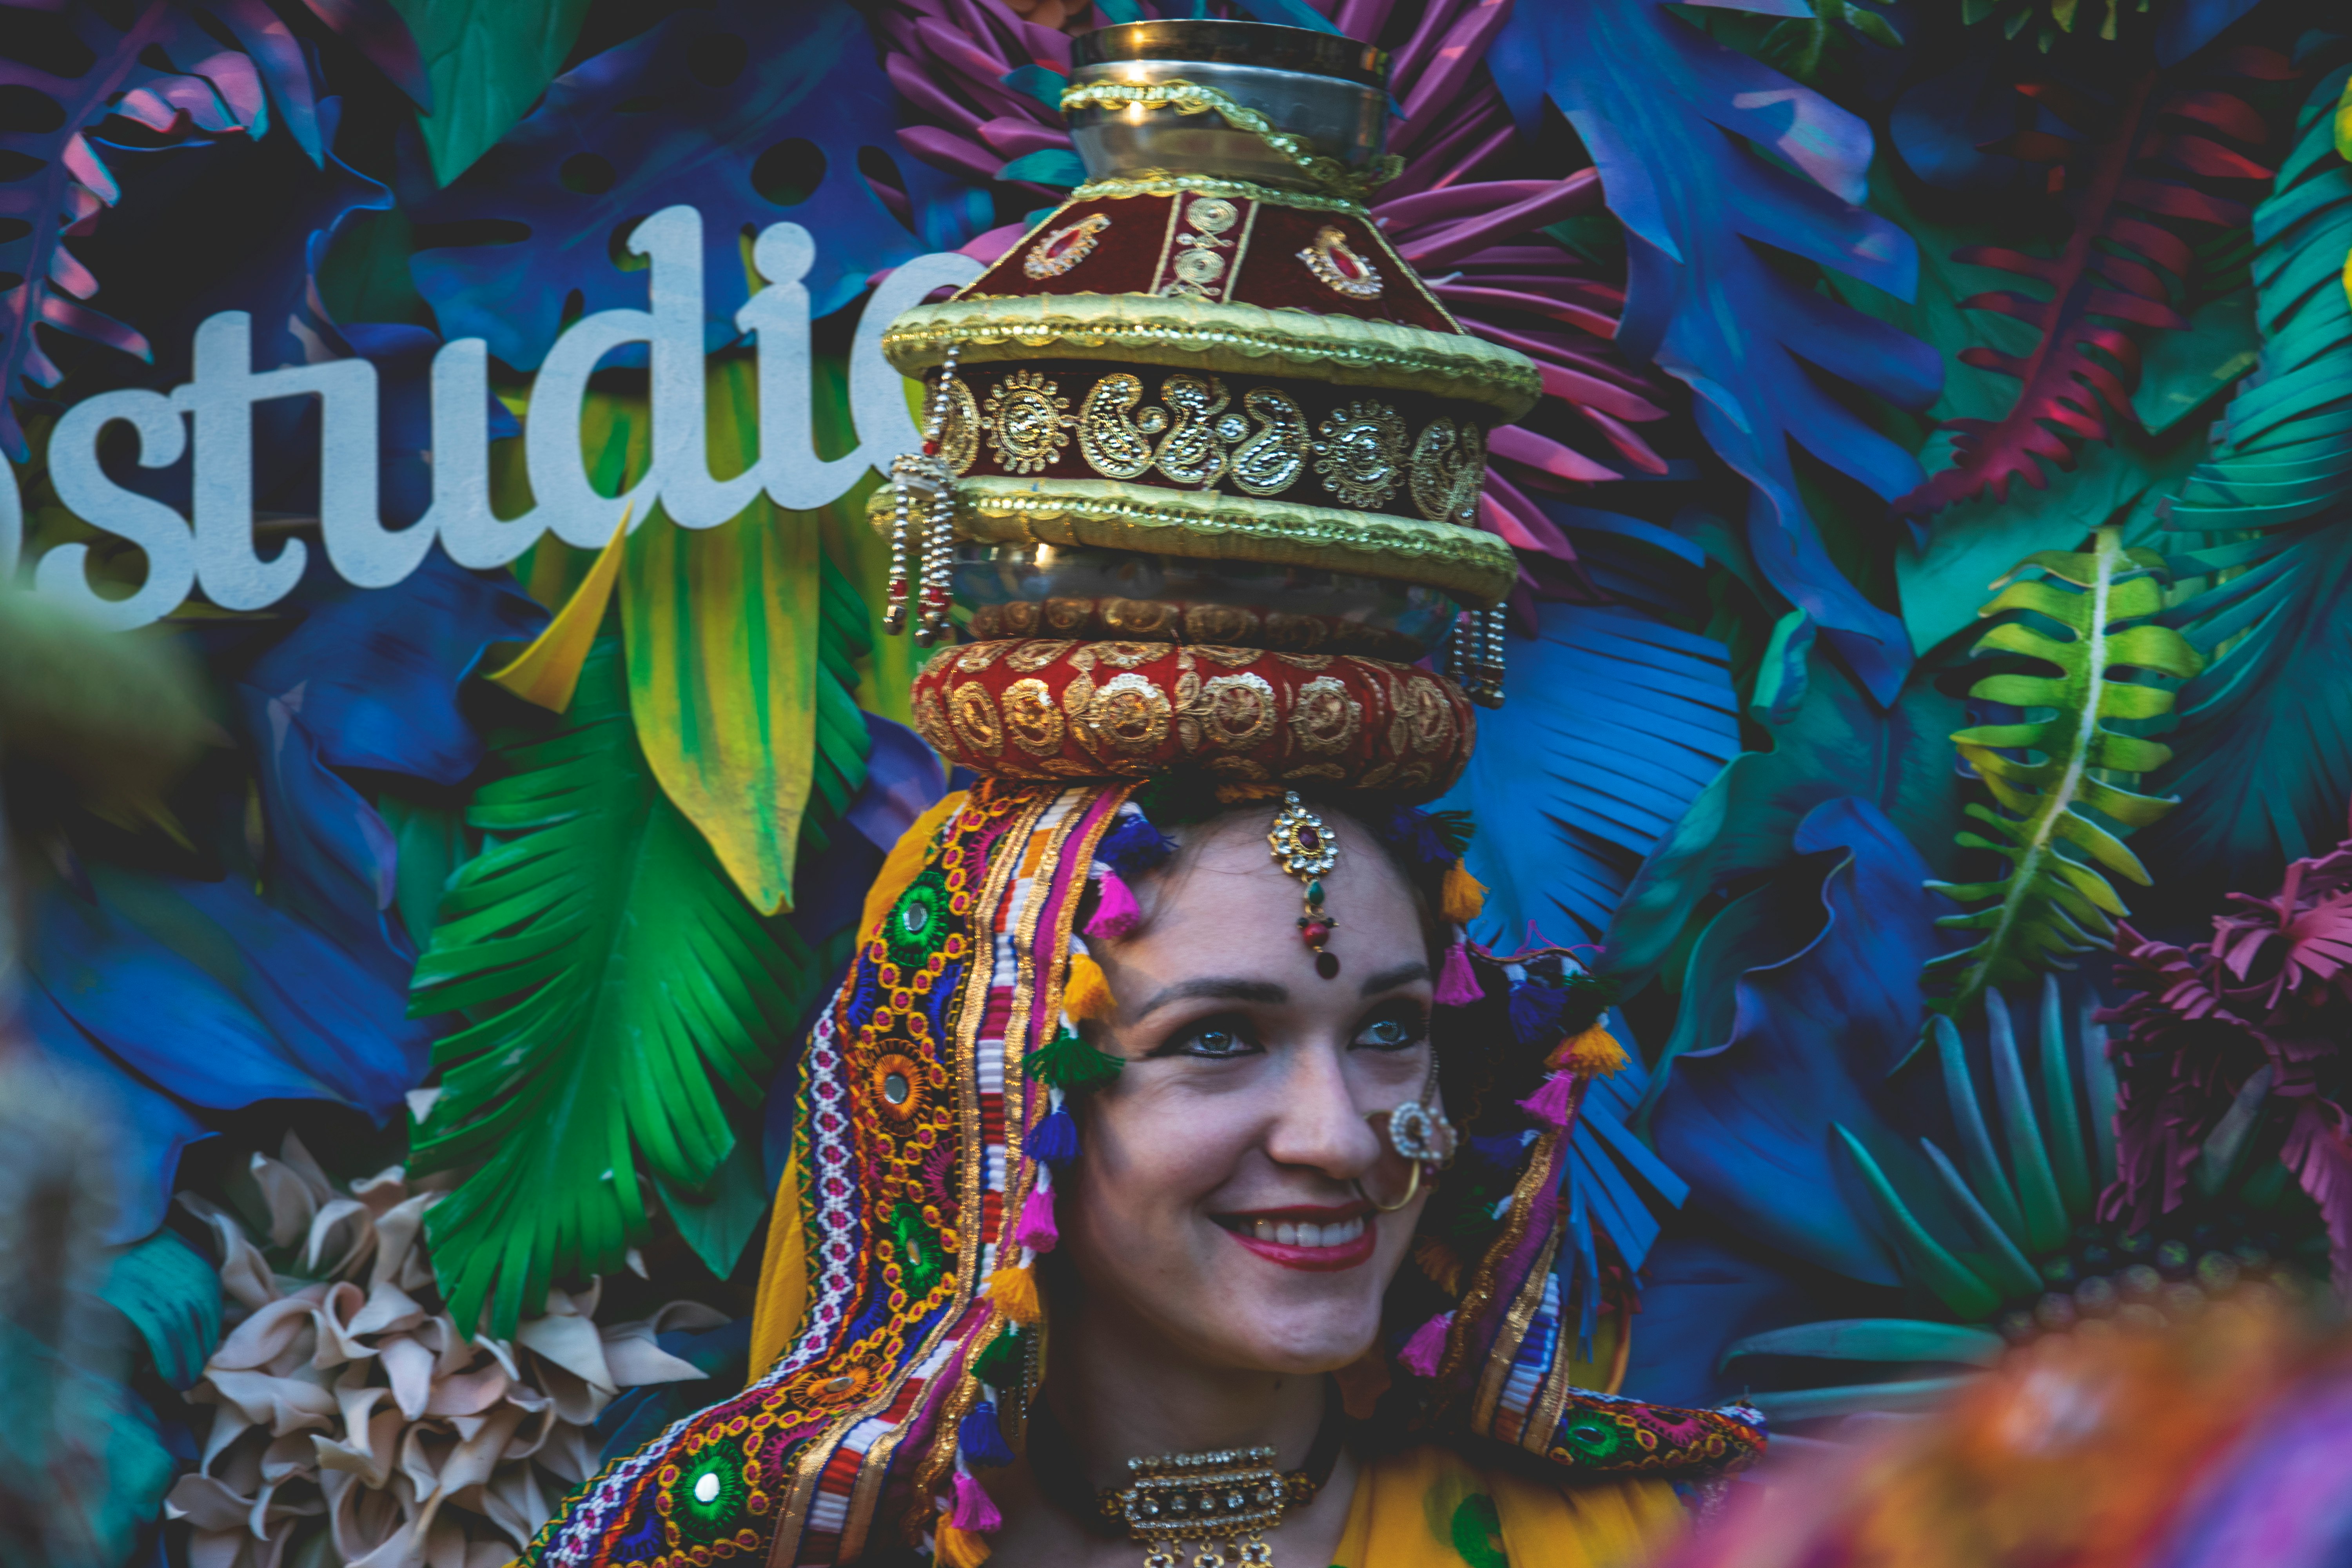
{"points": [[1215, 1209]]}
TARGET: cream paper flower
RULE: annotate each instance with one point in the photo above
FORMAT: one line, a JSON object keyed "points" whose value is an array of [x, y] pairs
{"points": [[356, 1424]]}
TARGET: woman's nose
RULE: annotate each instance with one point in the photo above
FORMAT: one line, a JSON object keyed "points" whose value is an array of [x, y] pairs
{"points": [[1317, 1123]]}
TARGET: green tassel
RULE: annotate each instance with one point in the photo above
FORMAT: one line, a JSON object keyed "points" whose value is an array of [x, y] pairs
{"points": [[1070, 1064], [1002, 1365]]}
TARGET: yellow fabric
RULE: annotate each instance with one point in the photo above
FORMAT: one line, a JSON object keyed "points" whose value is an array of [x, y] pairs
{"points": [[904, 863], [1425, 1508], [783, 1276], [783, 1266]]}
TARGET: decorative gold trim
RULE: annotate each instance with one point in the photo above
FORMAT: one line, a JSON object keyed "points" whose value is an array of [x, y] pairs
{"points": [[1164, 182], [1327, 175], [1200, 335], [1474, 566]]}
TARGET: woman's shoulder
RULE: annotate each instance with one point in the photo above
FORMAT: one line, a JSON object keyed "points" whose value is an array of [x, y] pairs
{"points": [[1435, 1506]]}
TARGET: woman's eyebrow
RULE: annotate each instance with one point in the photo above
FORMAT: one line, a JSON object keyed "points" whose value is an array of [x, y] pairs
{"points": [[1223, 988], [1389, 979]]}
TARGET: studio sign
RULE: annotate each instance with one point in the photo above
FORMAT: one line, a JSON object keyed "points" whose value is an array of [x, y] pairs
{"points": [[217, 551]]}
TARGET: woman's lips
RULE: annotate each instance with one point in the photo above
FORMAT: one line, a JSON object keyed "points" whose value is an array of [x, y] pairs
{"points": [[1345, 1242]]}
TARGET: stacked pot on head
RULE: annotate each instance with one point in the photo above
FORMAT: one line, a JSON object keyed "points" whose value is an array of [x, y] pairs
{"points": [[1203, 454]]}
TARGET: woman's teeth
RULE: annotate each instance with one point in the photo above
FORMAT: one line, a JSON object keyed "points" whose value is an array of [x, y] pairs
{"points": [[1285, 1232]]}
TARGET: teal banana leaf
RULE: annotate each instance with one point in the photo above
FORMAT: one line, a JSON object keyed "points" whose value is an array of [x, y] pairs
{"points": [[2057, 818], [2264, 741], [620, 997]]}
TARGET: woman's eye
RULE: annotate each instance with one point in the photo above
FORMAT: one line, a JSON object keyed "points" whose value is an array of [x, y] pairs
{"points": [[1390, 1033], [1214, 1038]]}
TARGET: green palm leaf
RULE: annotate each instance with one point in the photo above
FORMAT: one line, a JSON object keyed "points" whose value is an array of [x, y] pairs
{"points": [[2059, 817], [619, 995], [2265, 733]]}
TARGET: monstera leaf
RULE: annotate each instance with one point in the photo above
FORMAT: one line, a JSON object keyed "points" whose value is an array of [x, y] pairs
{"points": [[2059, 817], [2265, 733], [620, 996], [750, 111], [1669, 117]]}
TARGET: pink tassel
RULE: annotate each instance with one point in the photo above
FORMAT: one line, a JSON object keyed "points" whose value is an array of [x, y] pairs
{"points": [[973, 1510], [1427, 1347], [1549, 1104], [1036, 1230], [1115, 909], [1458, 983]]}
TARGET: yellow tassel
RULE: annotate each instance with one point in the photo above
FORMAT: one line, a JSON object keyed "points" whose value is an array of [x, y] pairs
{"points": [[1236, 794], [1464, 896], [1086, 995], [1440, 1262], [1592, 1054], [960, 1547], [1014, 1291]]}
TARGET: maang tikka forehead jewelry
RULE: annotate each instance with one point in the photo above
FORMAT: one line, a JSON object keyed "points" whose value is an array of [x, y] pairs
{"points": [[1304, 846]]}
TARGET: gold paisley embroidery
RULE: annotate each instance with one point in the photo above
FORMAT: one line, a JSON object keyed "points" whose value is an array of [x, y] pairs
{"points": [[1129, 713], [1323, 717], [1449, 465], [1197, 264], [1236, 711], [1113, 444], [1192, 453], [974, 717], [1270, 462], [1359, 453], [1028, 422]]}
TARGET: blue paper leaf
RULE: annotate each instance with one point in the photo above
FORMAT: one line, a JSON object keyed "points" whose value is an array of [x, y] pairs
{"points": [[635, 130], [1613, 724], [151, 1128], [374, 673], [1041, 82], [1749, 1121], [1705, 153], [220, 999], [1744, 821], [171, 1294]]}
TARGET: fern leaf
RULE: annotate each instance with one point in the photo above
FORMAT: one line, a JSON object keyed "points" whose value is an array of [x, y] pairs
{"points": [[620, 996], [2122, 272], [2057, 810]]}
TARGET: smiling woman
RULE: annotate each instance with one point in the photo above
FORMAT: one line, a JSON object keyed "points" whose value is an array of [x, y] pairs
{"points": [[1171, 1181]]}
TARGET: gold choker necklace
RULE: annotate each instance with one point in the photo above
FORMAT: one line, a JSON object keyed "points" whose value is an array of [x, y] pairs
{"points": [[1228, 1499]]}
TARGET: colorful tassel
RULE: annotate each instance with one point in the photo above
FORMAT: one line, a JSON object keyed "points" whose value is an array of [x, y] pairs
{"points": [[1535, 1011], [1427, 1347], [1069, 1064], [1085, 996], [1595, 1053], [1014, 1291], [1055, 1139], [1004, 1364], [959, 1548], [1457, 982], [1116, 910], [1133, 846], [1464, 895], [974, 1509], [1552, 1103], [1036, 1230], [982, 1443]]}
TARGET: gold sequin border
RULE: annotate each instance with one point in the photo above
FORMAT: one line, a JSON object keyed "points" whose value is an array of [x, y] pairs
{"points": [[1475, 567], [1230, 339]]}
